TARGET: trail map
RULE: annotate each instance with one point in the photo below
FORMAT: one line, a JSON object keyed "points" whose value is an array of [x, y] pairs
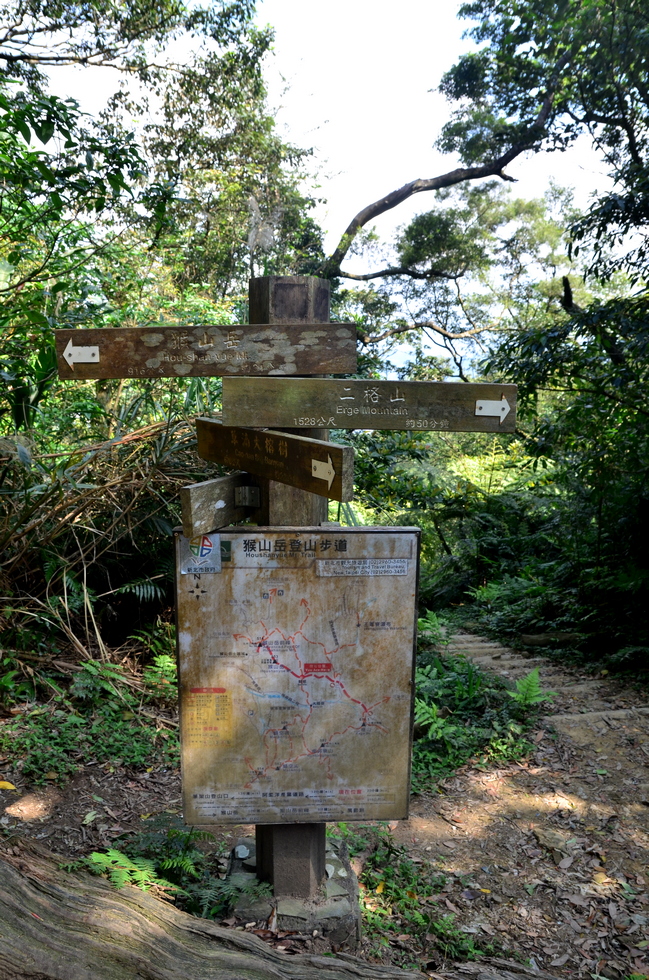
{"points": [[296, 661]]}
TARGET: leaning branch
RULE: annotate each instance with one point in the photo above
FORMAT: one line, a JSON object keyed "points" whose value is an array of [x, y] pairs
{"points": [[425, 325], [494, 168], [402, 271]]}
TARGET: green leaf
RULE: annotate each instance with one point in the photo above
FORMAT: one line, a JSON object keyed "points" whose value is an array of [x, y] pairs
{"points": [[528, 690], [35, 317], [23, 129]]}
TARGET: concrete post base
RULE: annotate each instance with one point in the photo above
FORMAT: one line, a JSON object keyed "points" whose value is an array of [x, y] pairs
{"points": [[333, 912]]}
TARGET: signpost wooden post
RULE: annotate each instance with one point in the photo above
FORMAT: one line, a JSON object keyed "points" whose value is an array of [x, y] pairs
{"points": [[299, 847], [289, 334], [294, 472]]}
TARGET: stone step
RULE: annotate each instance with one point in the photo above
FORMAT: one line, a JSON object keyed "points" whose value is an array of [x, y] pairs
{"points": [[605, 713], [485, 652], [476, 646], [576, 688], [505, 661]]}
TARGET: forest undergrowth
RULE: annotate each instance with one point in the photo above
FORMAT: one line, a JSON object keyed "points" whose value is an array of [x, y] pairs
{"points": [[118, 717]]}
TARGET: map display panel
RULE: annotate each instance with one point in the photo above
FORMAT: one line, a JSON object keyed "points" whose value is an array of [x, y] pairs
{"points": [[296, 673]]}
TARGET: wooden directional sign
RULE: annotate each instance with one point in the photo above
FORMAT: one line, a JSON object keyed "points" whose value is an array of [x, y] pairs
{"points": [[212, 504], [309, 464], [297, 402], [206, 351]]}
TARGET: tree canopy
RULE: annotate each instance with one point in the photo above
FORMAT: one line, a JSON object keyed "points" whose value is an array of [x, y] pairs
{"points": [[542, 75], [180, 187], [161, 208]]}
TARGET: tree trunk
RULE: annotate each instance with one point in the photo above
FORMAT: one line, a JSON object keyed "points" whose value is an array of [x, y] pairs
{"points": [[57, 925]]}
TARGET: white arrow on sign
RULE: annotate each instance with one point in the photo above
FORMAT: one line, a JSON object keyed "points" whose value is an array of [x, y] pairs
{"points": [[323, 471], [80, 355], [494, 408]]}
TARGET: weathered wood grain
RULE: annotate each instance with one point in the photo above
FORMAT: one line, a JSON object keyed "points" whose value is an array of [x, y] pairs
{"points": [[61, 926], [334, 404], [309, 464], [163, 351], [210, 505], [291, 299]]}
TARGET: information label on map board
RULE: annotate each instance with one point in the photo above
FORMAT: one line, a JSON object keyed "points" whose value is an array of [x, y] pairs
{"points": [[370, 404], [165, 351], [296, 674]]}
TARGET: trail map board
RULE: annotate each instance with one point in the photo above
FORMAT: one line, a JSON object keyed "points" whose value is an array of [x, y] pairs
{"points": [[296, 666]]}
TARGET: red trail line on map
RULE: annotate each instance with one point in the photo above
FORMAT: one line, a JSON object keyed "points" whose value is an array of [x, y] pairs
{"points": [[272, 743]]}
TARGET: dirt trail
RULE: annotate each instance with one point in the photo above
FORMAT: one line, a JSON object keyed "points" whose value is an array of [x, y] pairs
{"points": [[551, 857]]}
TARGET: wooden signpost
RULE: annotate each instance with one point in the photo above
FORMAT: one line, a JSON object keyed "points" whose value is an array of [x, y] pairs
{"points": [[213, 504], [294, 474], [310, 464], [163, 351], [370, 404]]}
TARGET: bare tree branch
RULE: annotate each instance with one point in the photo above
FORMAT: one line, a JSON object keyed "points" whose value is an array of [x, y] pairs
{"points": [[426, 325], [494, 168], [402, 271]]}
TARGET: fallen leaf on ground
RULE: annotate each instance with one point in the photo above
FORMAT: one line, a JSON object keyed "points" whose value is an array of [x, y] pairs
{"points": [[470, 895], [5, 785], [560, 960], [552, 839], [565, 863], [578, 900]]}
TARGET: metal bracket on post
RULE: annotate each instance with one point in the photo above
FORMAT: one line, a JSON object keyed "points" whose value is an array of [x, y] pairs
{"points": [[247, 497]]}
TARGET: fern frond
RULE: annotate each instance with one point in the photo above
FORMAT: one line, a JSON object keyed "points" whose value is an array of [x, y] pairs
{"points": [[528, 690], [182, 862], [425, 712], [144, 588], [122, 870]]}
